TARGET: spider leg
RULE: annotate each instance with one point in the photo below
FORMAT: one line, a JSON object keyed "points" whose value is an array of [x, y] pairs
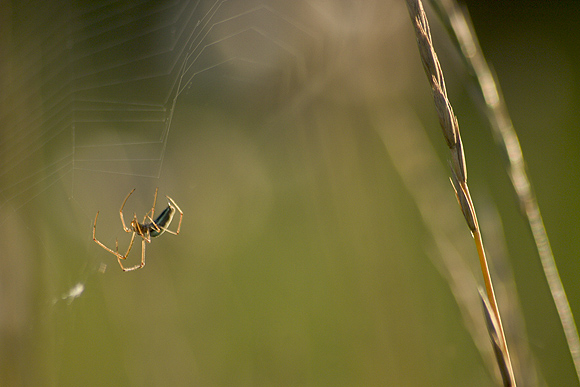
{"points": [[152, 211], [119, 256], [98, 241], [180, 217], [154, 202], [128, 249], [143, 253], [159, 228], [142, 258], [145, 238], [116, 253], [121, 212]]}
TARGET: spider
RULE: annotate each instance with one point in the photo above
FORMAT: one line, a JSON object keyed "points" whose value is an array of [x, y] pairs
{"points": [[145, 230]]}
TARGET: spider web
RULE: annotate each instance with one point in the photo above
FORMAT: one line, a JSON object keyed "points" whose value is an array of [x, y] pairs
{"points": [[90, 96], [99, 98], [114, 73]]}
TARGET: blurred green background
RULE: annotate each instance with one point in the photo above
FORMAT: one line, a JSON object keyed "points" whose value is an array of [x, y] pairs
{"points": [[321, 243]]}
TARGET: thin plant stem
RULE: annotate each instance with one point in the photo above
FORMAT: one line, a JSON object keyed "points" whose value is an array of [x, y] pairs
{"points": [[450, 126], [460, 27], [487, 279]]}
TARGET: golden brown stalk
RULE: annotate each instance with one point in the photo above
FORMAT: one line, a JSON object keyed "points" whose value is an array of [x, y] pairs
{"points": [[459, 25], [450, 127]]}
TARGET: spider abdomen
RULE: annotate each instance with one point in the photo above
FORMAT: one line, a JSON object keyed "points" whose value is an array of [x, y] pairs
{"points": [[161, 223]]}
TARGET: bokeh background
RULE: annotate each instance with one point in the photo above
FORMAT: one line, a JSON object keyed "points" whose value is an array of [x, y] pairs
{"points": [[321, 243]]}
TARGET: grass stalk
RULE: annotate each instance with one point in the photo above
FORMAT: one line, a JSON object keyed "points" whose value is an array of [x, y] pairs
{"points": [[460, 28], [450, 127]]}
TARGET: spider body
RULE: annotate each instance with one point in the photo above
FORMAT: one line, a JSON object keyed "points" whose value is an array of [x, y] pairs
{"points": [[156, 227], [146, 230]]}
